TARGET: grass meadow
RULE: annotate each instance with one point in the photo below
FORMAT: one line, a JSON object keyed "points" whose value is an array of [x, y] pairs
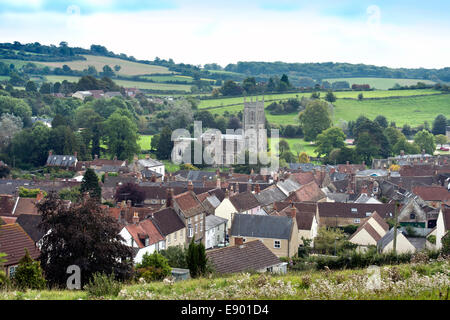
{"points": [[128, 68], [380, 83], [422, 281]]}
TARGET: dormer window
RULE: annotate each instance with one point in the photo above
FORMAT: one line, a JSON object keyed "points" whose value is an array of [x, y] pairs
{"points": [[412, 216], [354, 210]]}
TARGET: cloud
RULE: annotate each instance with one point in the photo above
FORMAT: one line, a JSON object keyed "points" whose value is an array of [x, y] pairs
{"points": [[198, 34]]}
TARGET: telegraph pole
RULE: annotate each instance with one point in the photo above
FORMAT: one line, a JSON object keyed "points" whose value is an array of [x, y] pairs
{"points": [[395, 226]]}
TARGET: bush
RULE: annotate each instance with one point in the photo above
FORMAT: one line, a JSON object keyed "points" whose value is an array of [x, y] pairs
{"points": [[153, 267], [102, 285], [29, 274]]}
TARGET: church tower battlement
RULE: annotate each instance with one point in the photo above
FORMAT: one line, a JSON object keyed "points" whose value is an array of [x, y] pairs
{"points": [[254, 119]]}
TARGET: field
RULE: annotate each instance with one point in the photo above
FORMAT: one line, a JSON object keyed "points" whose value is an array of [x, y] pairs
{"points": [[304, 146], [130, 84], [128, 68], [20, 63], [145, 142], [380, 83], [413, 111], [402, 106], [401, 282]]}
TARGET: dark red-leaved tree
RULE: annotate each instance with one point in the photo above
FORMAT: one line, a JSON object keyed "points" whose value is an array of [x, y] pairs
{"points": [[83, 235]]}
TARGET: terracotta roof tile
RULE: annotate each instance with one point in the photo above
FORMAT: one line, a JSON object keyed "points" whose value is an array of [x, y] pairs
{"points": [[432, 193], [13, 241], [244, 201], [189, 204], [145, 228], [308, 192]]}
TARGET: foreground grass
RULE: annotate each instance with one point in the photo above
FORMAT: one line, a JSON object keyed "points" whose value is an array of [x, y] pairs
{"points": [[424, 281]]}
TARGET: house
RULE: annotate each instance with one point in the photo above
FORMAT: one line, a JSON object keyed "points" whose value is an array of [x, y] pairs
{"points": [[278, 233], [144, 237], [82, 95], [269, 196], [433, 195], [132, 92], [112, 94], [191, 211], [370, 232], [338, 214], [288, 186], [306, 216], [13, 241], [245, 202], [244, 257], [417, 214], [308, 192], [216, 231], [67, 162], [30, 224], [171, 226], [148, 164], [386, 243], [442, 226]]}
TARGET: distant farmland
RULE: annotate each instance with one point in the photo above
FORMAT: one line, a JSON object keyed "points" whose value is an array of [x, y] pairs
{"points": [[411, 110], [131, 84], [380, 83], [128, 68]]}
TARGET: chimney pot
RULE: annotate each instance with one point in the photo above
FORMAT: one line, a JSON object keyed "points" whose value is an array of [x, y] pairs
{"points": [[136, 218], [239, 242], [190, 186]]}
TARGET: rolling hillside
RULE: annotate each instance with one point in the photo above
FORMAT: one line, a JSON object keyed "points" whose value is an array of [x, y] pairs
{"points": [[128, 68]]}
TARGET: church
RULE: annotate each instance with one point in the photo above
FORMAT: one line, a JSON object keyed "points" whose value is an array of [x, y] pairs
{"points": [[252, 137]]}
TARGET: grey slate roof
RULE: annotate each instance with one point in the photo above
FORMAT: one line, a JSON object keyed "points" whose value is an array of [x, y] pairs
{"points": [[30, 223], [261, 226], [213, 221], [388, 237], [62, 160], [288, 186], [270, 195]]}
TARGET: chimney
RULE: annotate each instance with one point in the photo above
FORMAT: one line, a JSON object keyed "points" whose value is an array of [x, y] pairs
{"points": [[252, 172], [257, 189], [364, 189], [204, 181], [96, 157], [348, 162], [190, 186], [402, 153], [169, 200], [239, 242], [231, 170], [293, 211], [50, 153], [249, 187], [153, 179], [129, 203], [227, 193], [218, 172], [115, 158], [75, 154], [40, 196], [136, 218], [423, 152], [147, 156], [218, 182]]}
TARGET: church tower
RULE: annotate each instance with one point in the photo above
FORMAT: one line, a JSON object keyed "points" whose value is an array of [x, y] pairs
{"points": [[255, 125]]}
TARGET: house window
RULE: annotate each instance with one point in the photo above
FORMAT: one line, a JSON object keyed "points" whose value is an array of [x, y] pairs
{"points": [[163, 201], [277, 244], [191, 231], [357, 220], [12, 271], [168, 238], [412, 216], [189, 220], [175, 236]]}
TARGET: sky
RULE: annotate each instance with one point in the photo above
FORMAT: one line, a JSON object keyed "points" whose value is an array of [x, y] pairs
{"points": [[402, 33]]}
